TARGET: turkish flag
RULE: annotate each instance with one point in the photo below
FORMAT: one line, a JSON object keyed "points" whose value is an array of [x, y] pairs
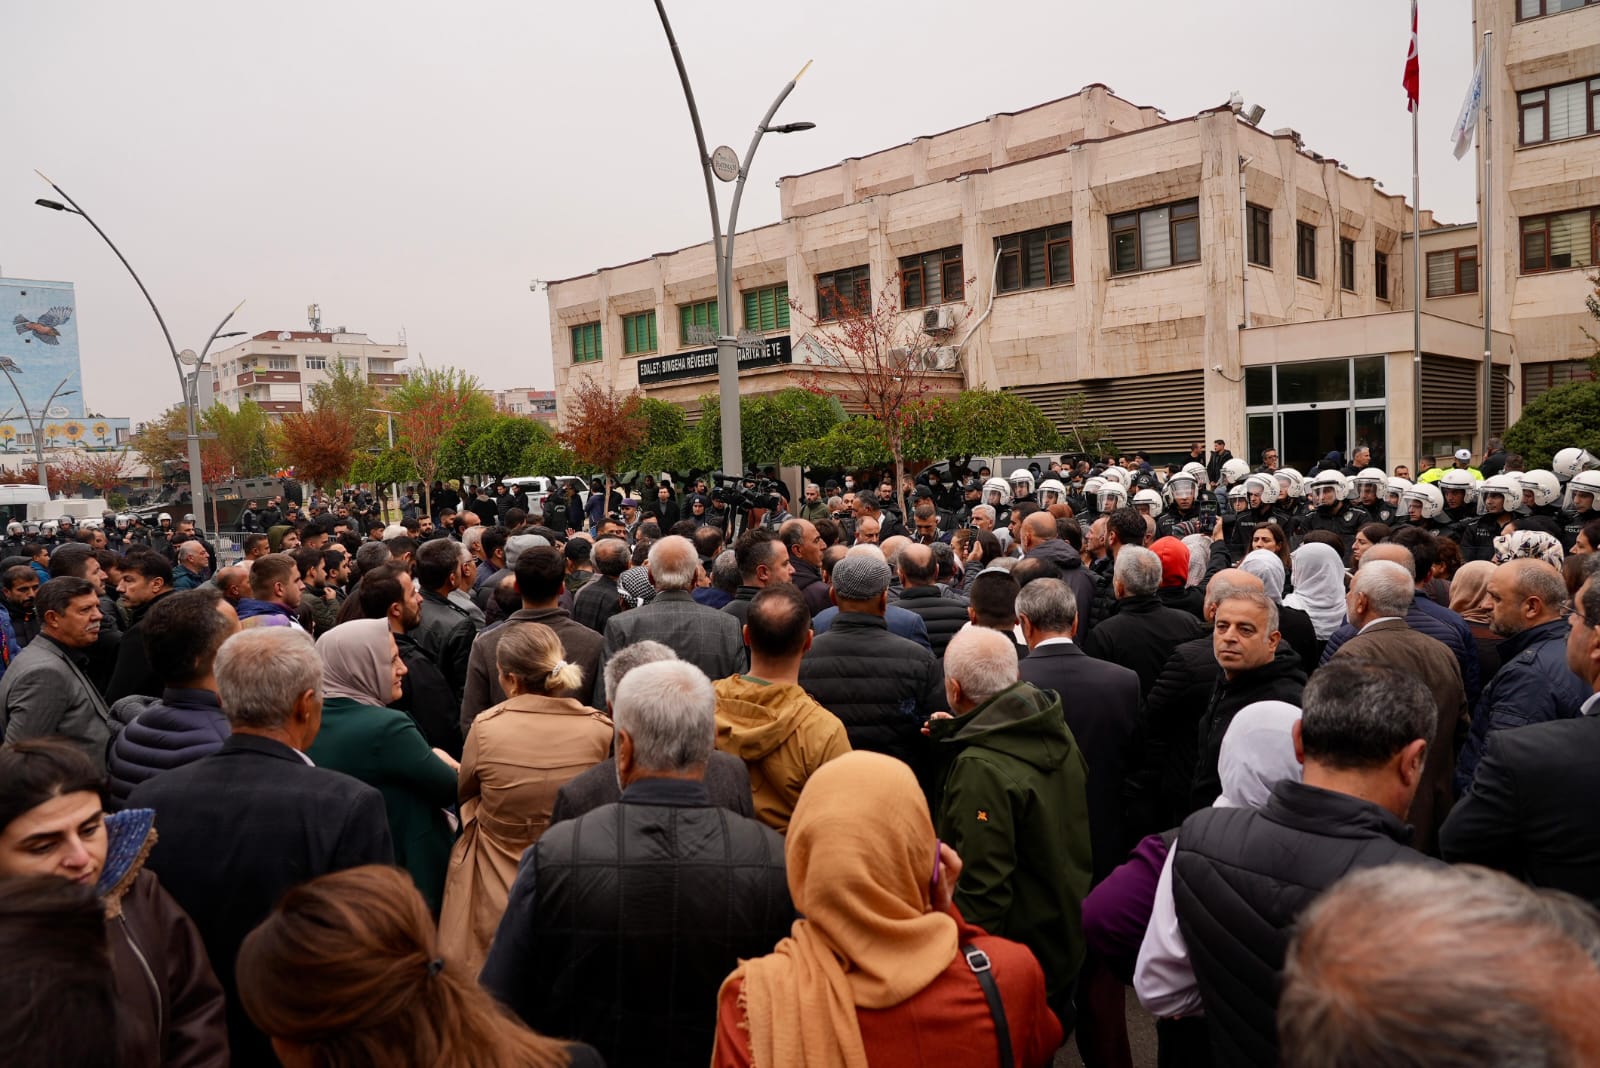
{"points": [[1413, 76]]}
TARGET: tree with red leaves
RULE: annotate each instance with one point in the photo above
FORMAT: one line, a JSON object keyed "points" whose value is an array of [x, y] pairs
{"points": [[59, 479], [430, 408], [320, 445], [881, 358], [604, 427], [105, 471]]}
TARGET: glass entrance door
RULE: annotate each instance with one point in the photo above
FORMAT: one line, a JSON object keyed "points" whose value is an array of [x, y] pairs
{"points": [[1306, 436]]}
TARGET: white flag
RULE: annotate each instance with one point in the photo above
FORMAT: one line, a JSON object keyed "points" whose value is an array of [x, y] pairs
{"points": [[1467, 123]]}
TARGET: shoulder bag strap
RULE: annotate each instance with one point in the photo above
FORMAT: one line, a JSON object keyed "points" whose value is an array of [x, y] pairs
{"points": [[978, 961]]}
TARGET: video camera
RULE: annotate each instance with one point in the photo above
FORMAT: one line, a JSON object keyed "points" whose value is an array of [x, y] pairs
{"points": [[744, 491]]}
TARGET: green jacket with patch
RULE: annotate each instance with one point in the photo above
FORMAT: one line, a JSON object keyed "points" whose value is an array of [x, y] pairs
{"points": [[1014, 808]]}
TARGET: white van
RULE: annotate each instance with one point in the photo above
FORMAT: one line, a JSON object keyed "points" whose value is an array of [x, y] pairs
{"points": [[538, 487], [23, 502]]}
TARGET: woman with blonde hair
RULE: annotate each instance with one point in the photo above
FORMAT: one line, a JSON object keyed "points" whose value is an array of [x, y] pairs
{"points": [[344, 974], [518, 755]]}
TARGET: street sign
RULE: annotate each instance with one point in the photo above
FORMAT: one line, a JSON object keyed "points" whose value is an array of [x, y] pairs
{"points": [[725, 163]]}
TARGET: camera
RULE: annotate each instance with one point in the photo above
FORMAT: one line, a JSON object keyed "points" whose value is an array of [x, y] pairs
{"points": [[746, 491]]}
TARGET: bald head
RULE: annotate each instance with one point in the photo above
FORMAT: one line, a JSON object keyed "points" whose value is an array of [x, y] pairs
{"points": [[1524, 594], [892, 546], [917, 566], [1230, 582], [1039, 527], [1394, 554]]}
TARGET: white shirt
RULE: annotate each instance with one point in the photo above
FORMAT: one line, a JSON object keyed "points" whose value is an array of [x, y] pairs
{"points": [[1053, 641], [1591, 707], [1381, 619], [1164, 978]]}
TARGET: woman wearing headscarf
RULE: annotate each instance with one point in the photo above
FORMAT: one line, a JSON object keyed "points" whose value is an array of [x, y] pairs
{"points": [[1130, 918], [1319, 587], [878, 972], [1293, 624], [1175, 590], [1469, 599], [1199, 546], [361, 673], [1528, 545], [518, 755]]}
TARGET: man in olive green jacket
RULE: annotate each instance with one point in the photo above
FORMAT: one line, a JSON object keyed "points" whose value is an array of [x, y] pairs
{"points": [[1014, 807]]}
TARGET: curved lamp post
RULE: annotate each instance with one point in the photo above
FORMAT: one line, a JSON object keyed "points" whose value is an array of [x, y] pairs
{"points": [[721, 164], [9, 367], [186, 363]]}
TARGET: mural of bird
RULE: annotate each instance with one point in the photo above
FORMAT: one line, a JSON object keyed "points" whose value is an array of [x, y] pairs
{"points": [[45, 327]]}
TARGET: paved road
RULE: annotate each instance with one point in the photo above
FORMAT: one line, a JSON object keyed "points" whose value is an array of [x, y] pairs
{"points": [[1141, 1037]]}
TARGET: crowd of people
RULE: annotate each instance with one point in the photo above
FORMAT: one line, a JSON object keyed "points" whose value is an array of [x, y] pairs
{"points": [[917, 774]]}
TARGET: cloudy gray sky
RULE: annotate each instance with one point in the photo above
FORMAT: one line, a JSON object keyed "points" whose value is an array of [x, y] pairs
{"points": [[411, 165]]}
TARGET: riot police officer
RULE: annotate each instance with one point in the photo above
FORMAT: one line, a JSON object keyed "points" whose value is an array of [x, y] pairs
{"points": [[1369, 486], [1329, 495]]}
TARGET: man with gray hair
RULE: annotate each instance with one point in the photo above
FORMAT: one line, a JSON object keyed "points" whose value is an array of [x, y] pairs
{"points": [[727, 780], [1014, 808], [600, 598], [1143, 632], [1409, 965], [1241, 877], [623, 922], [708, 639], [244, 825], [1377, 604]]}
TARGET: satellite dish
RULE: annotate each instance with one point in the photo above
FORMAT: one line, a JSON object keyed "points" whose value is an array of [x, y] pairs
{"points": [[57, 411], [284, 335]]}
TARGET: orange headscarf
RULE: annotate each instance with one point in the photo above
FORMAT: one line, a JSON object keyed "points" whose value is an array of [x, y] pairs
{"points": [[860, 854]]}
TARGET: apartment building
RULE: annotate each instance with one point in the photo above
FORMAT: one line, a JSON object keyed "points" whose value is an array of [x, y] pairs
{"points": [[1191, 278], [277, 368], [525, 400]]}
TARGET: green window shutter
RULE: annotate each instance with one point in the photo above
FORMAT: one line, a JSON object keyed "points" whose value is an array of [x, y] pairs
{"points": [[752, 309]]}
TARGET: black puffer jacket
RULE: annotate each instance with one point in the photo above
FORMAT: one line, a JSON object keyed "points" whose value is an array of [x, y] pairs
{"points": [[1159, 786], [944, 616], [881, 686], [1279, 680], [1240, 879]]}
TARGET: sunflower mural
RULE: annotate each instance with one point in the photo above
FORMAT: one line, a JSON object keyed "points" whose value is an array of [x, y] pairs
{"points": [[101, 431], [74, 432], [52, 432], [8, 433]]}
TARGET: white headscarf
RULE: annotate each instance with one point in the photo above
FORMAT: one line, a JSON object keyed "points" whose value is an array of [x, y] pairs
{"points": [[1265, 565], [1318, 587], [1199, 546], [1257, 754]]}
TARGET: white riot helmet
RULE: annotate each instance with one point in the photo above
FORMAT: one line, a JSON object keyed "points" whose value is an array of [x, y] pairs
{"points": [[124, 521], [1024, 478], [1198, 472], [996, 492], [1291, 483], [13, 528], [1051, 491], [1569, 463], [1583, 482], [30, 527], [1458, 479], [1324, 481], [1238, 499], [1091, 489], [1544, 485], [1502, 487], [1234, 472], [1113, 495], [1368, 476], [1117, 474], [164, 518], [1394, 488], [1263, 486], [1427, 498], [48, 528], [1148, 501], [1182, 488]]}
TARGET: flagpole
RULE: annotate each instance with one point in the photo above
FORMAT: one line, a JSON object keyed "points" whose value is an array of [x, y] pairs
{"points": [[1419, 286], [1486, 142]]}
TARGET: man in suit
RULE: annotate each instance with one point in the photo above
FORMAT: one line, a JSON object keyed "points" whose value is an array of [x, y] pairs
{"points": [[541, 579], [708, 639], [254, 819], [1377, 604], [1530, 810], [46, 690], [1099, 700]]}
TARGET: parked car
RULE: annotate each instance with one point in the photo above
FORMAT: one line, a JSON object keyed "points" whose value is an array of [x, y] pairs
{"points": [[538, 487]]}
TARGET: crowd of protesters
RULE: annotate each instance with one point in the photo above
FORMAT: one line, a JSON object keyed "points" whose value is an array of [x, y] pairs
{"points": [[917, 774]]}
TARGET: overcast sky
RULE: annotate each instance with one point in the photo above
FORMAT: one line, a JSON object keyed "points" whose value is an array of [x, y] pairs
{"points": [[411, 165]]}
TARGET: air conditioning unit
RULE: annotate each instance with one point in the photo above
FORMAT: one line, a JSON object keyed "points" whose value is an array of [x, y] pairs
{"points": [[941, 358], [940, 320]]}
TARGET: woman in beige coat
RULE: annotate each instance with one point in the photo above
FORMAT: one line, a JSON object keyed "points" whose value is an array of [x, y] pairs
{"points": [[518, 754]]}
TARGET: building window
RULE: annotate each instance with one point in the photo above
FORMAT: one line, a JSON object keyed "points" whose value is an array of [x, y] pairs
{"points": [[1541, 378], [1532, 9], [1347, 264], [1035, 259], [586, 343], [931, 278], [316, 363], [1380, 275], [1556, 242], [1452, 271], [844, 293], [639, 333], [767, 308], [1558, 112], [1305, 250], [1156, 237], [702, 313], [280, 363], [1259, 222]]}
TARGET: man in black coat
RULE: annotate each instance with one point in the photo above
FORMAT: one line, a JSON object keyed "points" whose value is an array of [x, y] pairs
{"points": [[1143, 632], [1242, 876], [446, 631], [1099, 701], [1530, 809], [806, 547], [146, 578], [254, 819], [623, 922], [600, 599], [920, 593]]}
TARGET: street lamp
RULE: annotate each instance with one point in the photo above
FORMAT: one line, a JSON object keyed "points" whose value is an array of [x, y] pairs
{"points": [[186, 380], [9, 368], [721, 164]]}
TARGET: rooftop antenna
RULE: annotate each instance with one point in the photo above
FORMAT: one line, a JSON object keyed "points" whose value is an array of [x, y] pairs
{"points": [[402, 335], [314, 313]]}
